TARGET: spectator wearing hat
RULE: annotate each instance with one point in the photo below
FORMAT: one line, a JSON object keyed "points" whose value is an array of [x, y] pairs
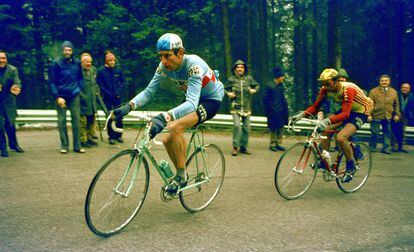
{"points": [[240, 89], [276, 109], [66, 82], [111, 81], [387, 108]]}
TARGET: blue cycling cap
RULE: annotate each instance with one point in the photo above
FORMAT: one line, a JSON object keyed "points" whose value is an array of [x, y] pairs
{"points": [[169, 41]]}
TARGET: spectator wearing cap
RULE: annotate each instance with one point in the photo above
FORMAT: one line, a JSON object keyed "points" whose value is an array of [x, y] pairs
{"points": [[240, 88], [10, 87], [111, 81], [66, 82], [387, 108], [88, 102], [276, 109]]}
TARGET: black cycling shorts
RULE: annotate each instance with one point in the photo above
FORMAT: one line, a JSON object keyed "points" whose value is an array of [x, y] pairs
{"points": [[207, 109], [357, 119]]}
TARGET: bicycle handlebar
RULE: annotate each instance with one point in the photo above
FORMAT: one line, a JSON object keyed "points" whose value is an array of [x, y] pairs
{"points": [[121, 130]]}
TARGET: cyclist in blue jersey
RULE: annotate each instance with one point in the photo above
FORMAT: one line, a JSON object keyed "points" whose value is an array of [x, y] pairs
{"points": [[204, 93]]}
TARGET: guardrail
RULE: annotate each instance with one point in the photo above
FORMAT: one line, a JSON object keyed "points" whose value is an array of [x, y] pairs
{"points": [[40, 118]]}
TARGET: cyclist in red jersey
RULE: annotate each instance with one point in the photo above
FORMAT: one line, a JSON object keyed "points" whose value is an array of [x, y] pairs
{"points": [[356, 107]]}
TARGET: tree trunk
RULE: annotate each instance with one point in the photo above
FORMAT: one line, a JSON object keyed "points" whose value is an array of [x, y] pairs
{"points": [[334, 34], [315, 51], [263, 46], [226, 33], [297, 40], [305, 89], [249, 36]]}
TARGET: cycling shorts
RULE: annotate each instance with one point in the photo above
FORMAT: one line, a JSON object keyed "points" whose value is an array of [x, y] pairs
{"points": [[357, 119], [207, 109]]}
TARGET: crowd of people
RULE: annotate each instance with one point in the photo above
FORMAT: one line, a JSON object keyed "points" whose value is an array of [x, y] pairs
{"points": [[79, 87]]}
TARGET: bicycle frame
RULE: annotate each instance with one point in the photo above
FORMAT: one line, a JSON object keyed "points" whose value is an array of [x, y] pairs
{"points": [[143, 150], [332, 169]]}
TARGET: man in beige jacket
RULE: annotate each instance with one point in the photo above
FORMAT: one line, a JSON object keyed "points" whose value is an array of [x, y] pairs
{"points": [[386, 108]]}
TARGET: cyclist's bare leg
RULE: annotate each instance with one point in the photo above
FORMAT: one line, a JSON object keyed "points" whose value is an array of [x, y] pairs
{"points": [[327, 142], [343, 142], [175, 142]]}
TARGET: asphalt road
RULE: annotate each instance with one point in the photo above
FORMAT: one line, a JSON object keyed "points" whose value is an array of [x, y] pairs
{"points": [[43, 192]]}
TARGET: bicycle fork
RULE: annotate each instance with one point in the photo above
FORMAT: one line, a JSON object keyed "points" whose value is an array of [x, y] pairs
{"points": [[127, 189]]}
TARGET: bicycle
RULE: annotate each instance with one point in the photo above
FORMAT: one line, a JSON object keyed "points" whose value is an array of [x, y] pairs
{"points": [[297, 167], [119, 188]]}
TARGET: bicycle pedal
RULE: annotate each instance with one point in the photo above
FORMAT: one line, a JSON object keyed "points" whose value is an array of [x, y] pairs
{"points": [[165, 196]]}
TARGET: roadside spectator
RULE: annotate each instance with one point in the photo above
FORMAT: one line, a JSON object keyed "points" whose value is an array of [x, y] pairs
{"points": [[66, 82], [240, 88], [276, 109], [406, 100], [10, 87], [88, 102], [386, 108], [111, 81]]}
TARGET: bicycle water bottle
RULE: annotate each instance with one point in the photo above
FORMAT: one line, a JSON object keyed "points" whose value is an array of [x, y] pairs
{"points": [[166, 169], [327, 156]]}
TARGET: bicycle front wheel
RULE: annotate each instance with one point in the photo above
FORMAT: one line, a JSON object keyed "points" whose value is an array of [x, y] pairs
{"points": [[117, 193], [205, 169], [295, 171], [363, 169]]}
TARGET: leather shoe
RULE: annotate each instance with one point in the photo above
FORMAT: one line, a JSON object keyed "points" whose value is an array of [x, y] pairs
{"points": [[111, 141], [91, 142], [80, 151], [281, 148], [244, 151], [4, 153], [273, 148], [234, 152], [402, 150], [86, 145], [386, 152], [120, 140], [17, 149]]}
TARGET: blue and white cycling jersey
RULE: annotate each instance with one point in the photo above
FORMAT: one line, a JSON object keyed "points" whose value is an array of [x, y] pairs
{"points": [[194, 76]]}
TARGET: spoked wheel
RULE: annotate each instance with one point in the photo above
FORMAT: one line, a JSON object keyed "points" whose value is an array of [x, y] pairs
{"points": [[363, 168], [205, 168], [295, 171], [117, 193]]}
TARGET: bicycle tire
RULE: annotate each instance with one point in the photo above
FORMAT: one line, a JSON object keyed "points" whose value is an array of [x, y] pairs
{"points": [[292, 182], [205, 163], [363, 165], [107, 211]]}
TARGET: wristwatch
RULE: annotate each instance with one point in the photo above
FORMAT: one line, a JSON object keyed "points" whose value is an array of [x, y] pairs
{"points": [[168, 116]]}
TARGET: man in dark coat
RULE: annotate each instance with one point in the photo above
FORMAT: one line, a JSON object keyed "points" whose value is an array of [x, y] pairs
{"points": [[10, 87], [111, 81], [276, 109], [88, 102], [66, 82], [406, 100]]}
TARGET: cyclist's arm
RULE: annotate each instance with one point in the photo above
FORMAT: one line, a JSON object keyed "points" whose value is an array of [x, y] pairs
{"points": [[349, 95], [192, 97], [314, 108], [146, 95]]}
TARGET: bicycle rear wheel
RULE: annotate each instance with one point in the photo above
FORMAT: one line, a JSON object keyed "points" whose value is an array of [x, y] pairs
{"points": [[295, 171], [117, 193], [206, 169], [363, 169]]}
